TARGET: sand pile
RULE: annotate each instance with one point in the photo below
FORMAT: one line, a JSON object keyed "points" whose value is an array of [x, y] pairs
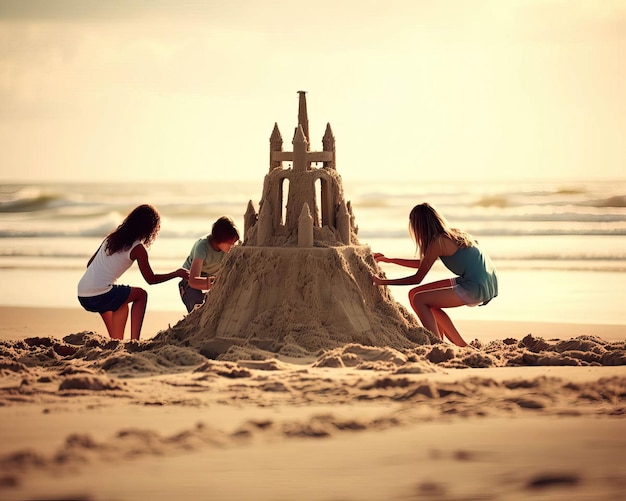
{"points": [[301, 282], [50, 360], [272, 301]]}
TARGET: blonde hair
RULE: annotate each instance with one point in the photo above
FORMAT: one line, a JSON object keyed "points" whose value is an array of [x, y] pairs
{"points": [[426, 224]]}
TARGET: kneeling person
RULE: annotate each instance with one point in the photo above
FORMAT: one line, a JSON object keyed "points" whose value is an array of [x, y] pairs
{"points": [[204, 261]]}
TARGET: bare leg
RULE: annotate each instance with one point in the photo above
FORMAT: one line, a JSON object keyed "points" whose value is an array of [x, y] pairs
{"points": [[447, 328], [440, 325], [139, 298], [441, 284], [107, 317], [442, 329], [429, 298], [120, 316], [115, 321]]}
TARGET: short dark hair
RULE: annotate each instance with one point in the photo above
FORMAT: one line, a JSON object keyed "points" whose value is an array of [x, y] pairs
{"points": [[224, 230]]}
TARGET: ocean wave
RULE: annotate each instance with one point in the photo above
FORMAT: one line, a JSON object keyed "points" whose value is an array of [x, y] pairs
{"points": [[28, 200], [573, 265], [570, 191], [96, 231], [504, 232], [573, 257], [176, 199], [539, 217], [498, 205], [614, 201], [381, 209], [505, 201], [48, 205], [500, 201], [197, 230]]}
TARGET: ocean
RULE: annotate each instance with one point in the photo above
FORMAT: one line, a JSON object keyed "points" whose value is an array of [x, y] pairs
{"points": [[559, 246]]}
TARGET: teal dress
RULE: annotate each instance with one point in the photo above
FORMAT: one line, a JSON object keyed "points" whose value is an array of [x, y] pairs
{"points": [[476, 273]]}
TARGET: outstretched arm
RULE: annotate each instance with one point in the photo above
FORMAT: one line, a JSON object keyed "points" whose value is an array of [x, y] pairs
{"points": [[410, 280], [407, 263], [140, 254], [423, 267]]}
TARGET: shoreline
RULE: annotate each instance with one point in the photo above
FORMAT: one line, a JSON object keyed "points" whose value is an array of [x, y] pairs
{"points": [[19, 322]]}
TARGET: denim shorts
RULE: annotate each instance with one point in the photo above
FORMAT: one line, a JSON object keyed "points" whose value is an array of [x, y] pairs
{"points": [[109, 301], [190, 296]]}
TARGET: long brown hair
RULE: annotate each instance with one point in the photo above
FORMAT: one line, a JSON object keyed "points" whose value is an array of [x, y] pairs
{"points": [[426, 224], [143, 224]]}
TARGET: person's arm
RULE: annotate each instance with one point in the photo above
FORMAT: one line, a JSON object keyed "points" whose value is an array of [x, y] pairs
{"points": [[196, 280], [430, 256], [407, 263], [140, 254]]}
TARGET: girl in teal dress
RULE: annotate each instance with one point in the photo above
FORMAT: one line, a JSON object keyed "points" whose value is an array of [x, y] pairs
{"points": [[475, 281]]}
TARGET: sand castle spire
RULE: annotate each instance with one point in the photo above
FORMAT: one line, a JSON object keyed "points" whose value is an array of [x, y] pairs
{"points": [[328, 144], [276, 144], [303, 116], [300, 148], [305, 227], [343, 223], [249, 218], [264, 231]]}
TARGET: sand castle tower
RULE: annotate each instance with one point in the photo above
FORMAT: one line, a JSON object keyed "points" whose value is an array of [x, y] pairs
{"points": [[300, 282], [315, 213]]}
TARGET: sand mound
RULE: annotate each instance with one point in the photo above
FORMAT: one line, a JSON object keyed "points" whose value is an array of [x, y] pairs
{"points": [[297, 303], [79, 361], [89, 353]]}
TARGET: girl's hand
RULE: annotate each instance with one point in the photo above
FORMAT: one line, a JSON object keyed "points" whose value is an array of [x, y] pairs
{"points": [[381, 258], [182, 273]]}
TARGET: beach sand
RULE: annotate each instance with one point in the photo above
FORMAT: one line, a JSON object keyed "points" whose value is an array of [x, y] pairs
{"points": [[20, 322], [536, 412]]}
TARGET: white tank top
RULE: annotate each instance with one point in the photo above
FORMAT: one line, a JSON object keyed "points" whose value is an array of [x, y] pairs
{"points": [[104, 271]]}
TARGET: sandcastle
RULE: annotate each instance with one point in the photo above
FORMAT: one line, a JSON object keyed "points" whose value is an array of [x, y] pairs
{"points": [[308, 221], [301, 281]]}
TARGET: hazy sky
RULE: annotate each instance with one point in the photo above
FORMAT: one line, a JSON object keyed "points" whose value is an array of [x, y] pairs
{"points": [[174, 89]]}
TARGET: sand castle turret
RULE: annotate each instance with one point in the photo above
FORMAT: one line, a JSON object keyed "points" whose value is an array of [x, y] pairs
{"points": [[301, 281]]}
